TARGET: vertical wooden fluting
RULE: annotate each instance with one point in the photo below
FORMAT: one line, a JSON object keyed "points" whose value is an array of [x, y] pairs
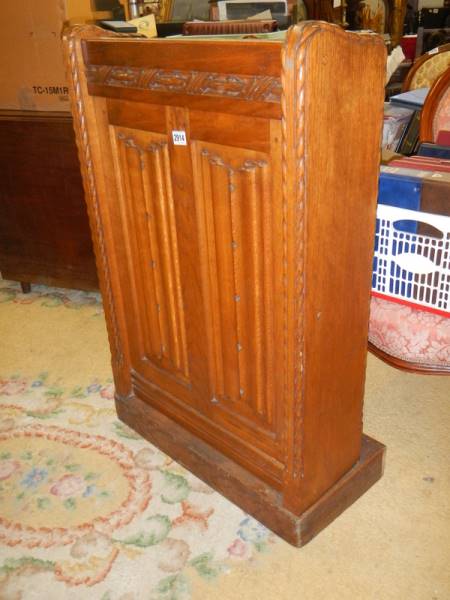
{"points": [[148, 217], [235, 225]]}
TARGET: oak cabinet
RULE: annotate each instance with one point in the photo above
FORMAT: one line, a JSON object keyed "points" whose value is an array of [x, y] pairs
{"points": [[232, 201]]}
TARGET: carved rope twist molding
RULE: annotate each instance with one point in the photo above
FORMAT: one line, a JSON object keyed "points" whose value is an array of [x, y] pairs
{"points": [[71, 40], [293, 79]]}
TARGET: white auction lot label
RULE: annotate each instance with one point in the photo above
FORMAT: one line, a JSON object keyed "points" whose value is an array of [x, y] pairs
{"points": [[179, 138]]}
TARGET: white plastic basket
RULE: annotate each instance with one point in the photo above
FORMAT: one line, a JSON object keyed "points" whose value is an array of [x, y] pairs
{"points": [[408, 266]]}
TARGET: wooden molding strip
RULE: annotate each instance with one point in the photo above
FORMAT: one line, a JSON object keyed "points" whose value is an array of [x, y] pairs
{"points": [[194, 83]]}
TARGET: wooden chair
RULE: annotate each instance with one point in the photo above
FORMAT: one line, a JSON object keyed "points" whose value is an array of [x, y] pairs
{"points": [[393, 333], [394, 327], [435, 114], [428, 68], [409, 325]]}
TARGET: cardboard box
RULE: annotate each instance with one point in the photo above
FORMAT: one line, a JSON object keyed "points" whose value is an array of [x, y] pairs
{"points": [[32, 72]]}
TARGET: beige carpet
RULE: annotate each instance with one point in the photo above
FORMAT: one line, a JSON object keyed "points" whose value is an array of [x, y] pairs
{"points": [[90, 510]]}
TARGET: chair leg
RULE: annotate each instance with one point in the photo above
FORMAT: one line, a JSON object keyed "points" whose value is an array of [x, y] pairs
{"points": [[26, 287]]}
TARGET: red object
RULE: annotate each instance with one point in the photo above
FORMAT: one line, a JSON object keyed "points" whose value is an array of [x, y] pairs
{"points": [[432, 160], [431, 309], [443, 138], [422, 165], [408, 44]]}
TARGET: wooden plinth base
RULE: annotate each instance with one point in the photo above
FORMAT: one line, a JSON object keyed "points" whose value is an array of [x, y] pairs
{"points": [[244, 489]]}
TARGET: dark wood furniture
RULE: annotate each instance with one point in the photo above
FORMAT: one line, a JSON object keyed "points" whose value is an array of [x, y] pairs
{"points": [[325, 10], [428, 39], [44, 229], [384, 17], [395, 84], [233, 206]]}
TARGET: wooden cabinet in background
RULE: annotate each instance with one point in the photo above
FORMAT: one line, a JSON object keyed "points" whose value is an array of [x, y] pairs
{"points": [[44, 229], [232, 192]]}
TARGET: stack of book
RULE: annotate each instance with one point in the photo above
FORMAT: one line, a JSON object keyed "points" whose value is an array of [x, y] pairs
{"points": [[413, 99], [396, 120], [402, 121], [423, 163]]}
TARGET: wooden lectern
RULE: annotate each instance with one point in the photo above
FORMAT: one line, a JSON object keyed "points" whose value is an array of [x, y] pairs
{"points": [[231, 188]]}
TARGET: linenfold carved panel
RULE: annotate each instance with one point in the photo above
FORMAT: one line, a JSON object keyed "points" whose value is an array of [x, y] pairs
{"points": [[150, 230], [245, 87], [235, 223]]}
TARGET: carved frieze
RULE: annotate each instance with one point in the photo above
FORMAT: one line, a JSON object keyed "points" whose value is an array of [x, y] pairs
{"points": [[259, 88]]}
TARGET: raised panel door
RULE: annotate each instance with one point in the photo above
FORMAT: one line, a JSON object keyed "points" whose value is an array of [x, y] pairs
{"points": [[237, 226], [208, 246]]}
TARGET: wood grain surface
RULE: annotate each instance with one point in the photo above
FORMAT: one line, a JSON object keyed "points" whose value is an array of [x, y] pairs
{"points": [[237, 264], [44, 229]]}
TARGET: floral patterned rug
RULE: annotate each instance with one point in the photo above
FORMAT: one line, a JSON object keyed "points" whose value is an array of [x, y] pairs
{"points": [[88, 509]]}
